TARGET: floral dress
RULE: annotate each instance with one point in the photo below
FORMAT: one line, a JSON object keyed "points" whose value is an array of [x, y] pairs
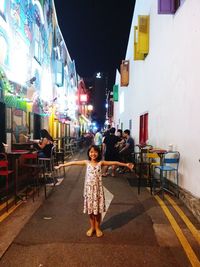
{"points": [[94, 200]]}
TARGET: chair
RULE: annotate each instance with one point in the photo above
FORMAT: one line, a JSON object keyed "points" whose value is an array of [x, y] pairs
{"points": [[33, 170], [48, 164], [169, 165], [5, 172], [153, 160], [142, 167]]}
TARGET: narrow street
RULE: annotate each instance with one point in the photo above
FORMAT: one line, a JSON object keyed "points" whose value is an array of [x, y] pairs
{"points": [[136, 230]]}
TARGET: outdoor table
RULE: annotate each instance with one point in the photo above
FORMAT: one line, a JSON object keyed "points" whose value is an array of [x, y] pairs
{"points": [[23, 146], [14, 155], [160, 152]]}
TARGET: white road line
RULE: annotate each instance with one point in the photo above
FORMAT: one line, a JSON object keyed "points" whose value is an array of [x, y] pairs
{"points": [[108, 199]]}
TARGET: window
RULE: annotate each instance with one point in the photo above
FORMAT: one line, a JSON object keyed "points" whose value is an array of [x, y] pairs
{"points": [[143, 134], [59, 73], [38, 48], [168, 6], [130, 124]]}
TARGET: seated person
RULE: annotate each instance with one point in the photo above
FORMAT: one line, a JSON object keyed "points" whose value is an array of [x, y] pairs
{"points": [[45, 144]]}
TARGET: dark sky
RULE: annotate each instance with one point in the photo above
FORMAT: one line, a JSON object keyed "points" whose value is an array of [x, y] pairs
{"points": [[96, 33]]}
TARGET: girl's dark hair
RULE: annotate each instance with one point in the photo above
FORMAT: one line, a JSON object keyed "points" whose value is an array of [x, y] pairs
{"points": [[97, 149], [44, 134]]}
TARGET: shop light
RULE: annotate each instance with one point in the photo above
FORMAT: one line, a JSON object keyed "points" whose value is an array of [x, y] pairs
{"points": [[90, 107], [83, 98]]}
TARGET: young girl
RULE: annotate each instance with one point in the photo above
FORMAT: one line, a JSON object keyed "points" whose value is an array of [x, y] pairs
{"points": [[94, 201]]}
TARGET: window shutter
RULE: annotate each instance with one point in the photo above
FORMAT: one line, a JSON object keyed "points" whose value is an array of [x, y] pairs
{"points": [[115, 92], [137, 56], [143, 134], [168, 6], [124, 70], [59, 73], [143, 34]]}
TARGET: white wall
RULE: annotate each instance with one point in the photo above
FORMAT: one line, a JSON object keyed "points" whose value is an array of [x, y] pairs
{"points": [[167, 85]]}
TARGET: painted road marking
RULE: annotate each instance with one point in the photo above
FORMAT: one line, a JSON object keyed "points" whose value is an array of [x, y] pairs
{"points": [[3, 206], [185, 244], [191, 227], [6, 214], [108, 199]]}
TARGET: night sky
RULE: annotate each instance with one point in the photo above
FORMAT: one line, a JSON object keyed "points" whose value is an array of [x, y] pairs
{"points": [[96, 34]]}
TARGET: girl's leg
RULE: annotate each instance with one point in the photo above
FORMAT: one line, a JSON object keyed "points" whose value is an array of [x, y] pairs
{"points": [[99, 233], [92, 225], [105, 171]]}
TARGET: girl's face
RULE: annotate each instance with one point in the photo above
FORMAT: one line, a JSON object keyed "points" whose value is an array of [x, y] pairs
{"points": [[93, 154]]}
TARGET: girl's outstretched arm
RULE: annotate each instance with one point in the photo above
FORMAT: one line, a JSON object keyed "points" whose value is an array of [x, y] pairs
{"points": [[122, 164], [77, 162]]}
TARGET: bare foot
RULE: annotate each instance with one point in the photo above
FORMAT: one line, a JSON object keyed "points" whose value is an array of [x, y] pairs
{"points": [[90, 232], [99, 233]]}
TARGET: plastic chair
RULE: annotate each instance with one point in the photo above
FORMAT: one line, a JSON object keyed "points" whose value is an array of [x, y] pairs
{"points": [[48, 164], [5, 172], [169, 165]]}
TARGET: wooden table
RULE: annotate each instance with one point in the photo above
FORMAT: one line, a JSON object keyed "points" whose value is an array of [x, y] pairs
{"points": [[161, 152]]}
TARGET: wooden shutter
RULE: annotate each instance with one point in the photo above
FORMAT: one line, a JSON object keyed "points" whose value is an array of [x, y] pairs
{"points": [[143, 134], [137, 55], [168, 6], [124, 70], [143, 35]]}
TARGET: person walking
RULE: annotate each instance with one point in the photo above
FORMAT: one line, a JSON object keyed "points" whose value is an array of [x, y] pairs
{"points": [[94, 200], [110, 150], [98, 139]]}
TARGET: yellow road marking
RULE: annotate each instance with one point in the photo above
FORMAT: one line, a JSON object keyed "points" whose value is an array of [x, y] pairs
{"points": [[6, 214], [191, 227], [185, 244], [3, 206]]}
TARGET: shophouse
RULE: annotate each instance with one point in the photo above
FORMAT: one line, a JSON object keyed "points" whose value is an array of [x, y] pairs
{"points": [[158, 93], [38, 80]]}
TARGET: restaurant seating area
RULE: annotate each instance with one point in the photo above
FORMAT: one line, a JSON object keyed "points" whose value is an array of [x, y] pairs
{"points": [[157, 169], [23, 173]]}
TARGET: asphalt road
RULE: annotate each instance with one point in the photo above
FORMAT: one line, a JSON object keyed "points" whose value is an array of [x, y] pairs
{"points": [[136, 230]]}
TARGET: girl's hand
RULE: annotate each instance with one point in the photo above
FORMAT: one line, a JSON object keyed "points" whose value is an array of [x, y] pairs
{"points": [[130, 165]]}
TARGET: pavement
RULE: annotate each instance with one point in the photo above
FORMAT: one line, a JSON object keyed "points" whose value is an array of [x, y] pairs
{"points": [[139, 230]]}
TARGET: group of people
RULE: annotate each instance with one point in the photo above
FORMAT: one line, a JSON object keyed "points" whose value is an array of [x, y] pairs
{"points": [[117, 147]]}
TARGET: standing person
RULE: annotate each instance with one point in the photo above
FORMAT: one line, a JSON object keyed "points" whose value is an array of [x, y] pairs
{"points": [[110, 149], [94, 200], [128, 149], [45, 144], [107, 132], [98, 138]]}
